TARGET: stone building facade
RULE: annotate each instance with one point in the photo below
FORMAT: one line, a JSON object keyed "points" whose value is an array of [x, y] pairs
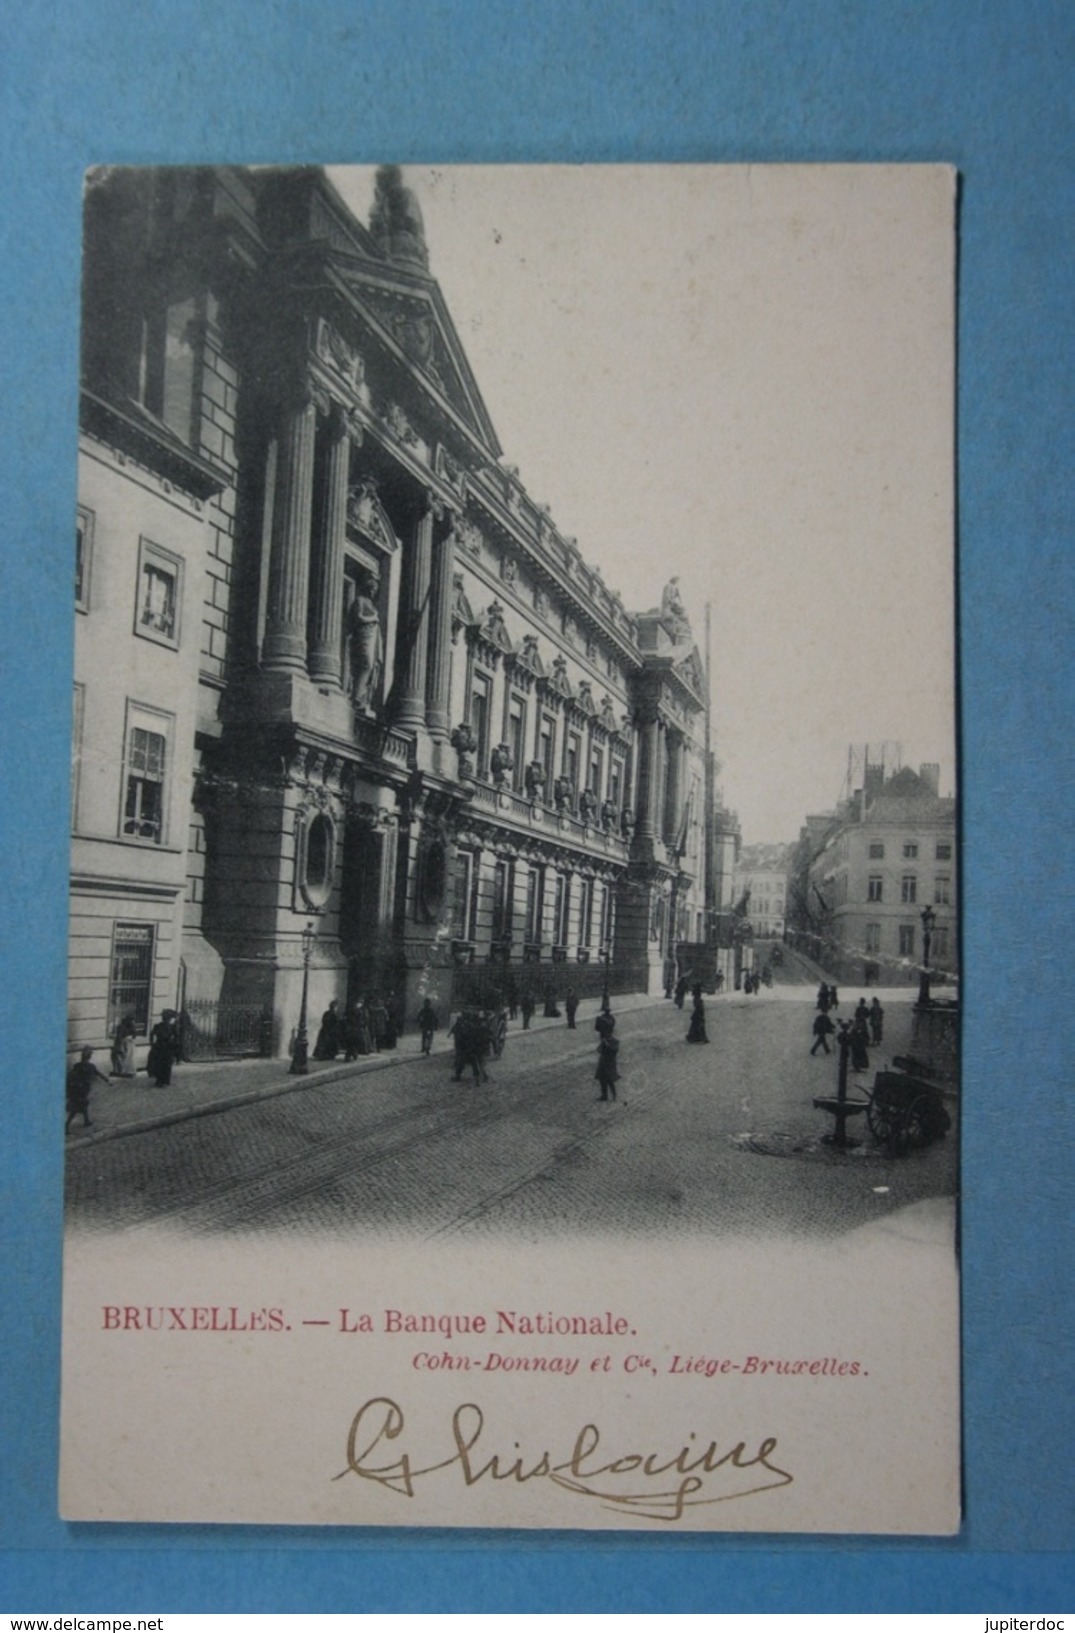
{"points": [[889, 855], [334, 666]]}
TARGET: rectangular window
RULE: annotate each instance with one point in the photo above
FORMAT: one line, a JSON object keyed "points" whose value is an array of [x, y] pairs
{"points": [[463, 896], [907, 940], [571, 759], [910, 850], [944, 851], [160, 587], [130, 991], [877, 851], [874, 888], [873, 938], [939, 947], [597, 773], [166, 375], [503, 890], [145, 774], [615, 782], [942, 890], [586, 913], [535, 904], [908, 888], [606, 916], [562, 911], [83, 558], [545, 753], [479, 720], [517, 740]]}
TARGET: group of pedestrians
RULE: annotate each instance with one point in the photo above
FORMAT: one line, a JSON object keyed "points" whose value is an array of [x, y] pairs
{"points": [[866, 1029], [370, 1025]]}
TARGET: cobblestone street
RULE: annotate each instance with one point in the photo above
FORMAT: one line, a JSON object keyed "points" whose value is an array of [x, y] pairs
{"points": [[532, 1153]]}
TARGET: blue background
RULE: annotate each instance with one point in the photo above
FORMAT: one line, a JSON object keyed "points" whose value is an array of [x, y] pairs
{"points": [[984, 84]]}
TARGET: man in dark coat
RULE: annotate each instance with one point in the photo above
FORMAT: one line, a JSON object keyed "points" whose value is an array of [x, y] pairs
{"points": [[571, 1004], [526, 1004], [877, 1022], [427, 1025], [823, 1028]]}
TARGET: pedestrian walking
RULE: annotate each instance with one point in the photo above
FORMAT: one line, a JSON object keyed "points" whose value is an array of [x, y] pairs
{"points": [[605, 1024], [682, 988], [824, 1002], [823, 1029], [327, 1046], [571, 1004], [877, 1022], [607, 1073], [834, 998], [356, 1032], [471, 1033], [860, 1037], [123, 1063], [526, 1004], [80, 1080], [427, 1023], [697, 1031], [163, 1049]]}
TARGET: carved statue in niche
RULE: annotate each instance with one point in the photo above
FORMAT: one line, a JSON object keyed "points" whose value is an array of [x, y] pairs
{"points": [[501, 762], [563, 793], [608, 815], [627, 823], [534, 779], [366, 643], [588, 805]]}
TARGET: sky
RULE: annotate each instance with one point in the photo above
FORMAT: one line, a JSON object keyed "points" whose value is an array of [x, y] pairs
{"points": [[742, 375]]}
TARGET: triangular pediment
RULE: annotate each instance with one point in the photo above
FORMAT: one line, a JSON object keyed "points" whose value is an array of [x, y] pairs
{"points": [[412, 311], [691, 671]]}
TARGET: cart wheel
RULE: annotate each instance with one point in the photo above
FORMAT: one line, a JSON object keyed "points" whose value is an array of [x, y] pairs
{"points": [[879, 1119], [911, 1134]]}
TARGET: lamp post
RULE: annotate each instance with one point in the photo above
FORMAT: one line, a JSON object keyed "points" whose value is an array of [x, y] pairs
{"points": [[606, 955], [929, 918], [300, 1053]]}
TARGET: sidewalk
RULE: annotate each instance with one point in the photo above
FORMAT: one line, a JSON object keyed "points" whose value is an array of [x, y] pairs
{"points": [[130, 1105]]}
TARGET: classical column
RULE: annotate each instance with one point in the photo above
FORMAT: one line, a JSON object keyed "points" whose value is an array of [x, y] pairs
{"points": [[414, 621], [284, 646], [674, 742], [439, 670], [326, 575], [649, 778]]}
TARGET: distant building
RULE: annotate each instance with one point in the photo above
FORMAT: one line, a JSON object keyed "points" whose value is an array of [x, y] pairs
{"points": [[888, 854], [763, 871]]}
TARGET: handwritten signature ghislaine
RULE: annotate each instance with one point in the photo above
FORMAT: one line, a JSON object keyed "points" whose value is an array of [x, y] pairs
{"points": [[648, 1484]]}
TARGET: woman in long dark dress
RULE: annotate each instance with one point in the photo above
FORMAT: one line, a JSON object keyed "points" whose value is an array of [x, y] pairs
{"points": [[328, 1038], [163, 1049], [697, 1033]]}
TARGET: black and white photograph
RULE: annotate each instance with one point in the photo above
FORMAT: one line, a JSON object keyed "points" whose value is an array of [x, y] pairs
{"points": [[513, 1022]]}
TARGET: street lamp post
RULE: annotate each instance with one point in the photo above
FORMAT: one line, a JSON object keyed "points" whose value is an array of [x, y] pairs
{"points": [[606, 954], [929, 918], [300, 1053]]}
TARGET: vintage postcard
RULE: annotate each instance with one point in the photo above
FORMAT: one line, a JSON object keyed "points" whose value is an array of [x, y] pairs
{"points": [[514, 990]]}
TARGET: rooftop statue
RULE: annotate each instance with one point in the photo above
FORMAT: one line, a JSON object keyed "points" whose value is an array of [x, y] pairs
{"points": [[396, 219], [674, 612]]}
